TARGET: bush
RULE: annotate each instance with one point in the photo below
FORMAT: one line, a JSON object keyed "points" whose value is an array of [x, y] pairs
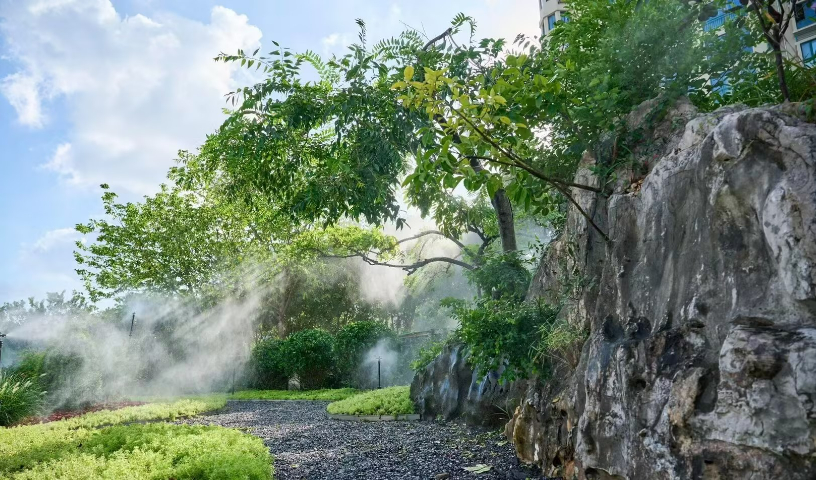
{"points": [[426, 355], [353, 341], [153, 451], [20, 397], [386, 401], [309, 354], [267, 365], [330, 395], [505, 333], [502, 276]]}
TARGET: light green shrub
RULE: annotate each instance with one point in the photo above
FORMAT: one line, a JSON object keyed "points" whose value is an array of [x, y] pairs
{"points": [[328, 395], [386, 401], [78, 448]]}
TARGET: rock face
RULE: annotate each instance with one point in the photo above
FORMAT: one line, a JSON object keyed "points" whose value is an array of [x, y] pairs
{"points": [[450, 388], [701, 359]]}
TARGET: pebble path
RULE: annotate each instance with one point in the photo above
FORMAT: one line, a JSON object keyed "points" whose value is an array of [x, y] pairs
{"points": [[307, 444]]}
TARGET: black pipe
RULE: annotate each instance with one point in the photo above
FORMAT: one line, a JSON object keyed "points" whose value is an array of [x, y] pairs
{"points": [[378, 373], [132, 321], [2, 335]]}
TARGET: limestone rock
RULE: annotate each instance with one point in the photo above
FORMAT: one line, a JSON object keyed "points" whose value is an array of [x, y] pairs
{"points": [[450, 388], [701, 361]]}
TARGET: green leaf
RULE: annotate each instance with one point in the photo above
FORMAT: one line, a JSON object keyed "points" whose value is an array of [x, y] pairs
{"points": [[408, 73]]}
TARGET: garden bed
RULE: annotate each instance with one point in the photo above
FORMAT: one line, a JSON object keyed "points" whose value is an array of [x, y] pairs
{"points": [[58, 415]]}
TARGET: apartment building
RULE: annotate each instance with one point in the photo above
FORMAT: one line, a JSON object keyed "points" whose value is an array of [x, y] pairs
{"points": [[800, 39], [550, 11]]}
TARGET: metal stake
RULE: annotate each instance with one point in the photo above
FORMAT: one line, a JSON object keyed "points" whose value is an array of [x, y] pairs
{"points": [[132, 321], [2, 335], [378, 373]]}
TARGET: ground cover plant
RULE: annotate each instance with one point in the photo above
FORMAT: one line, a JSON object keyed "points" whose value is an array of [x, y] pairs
{"points": [[386, 401], [109, 445], [327, 394]]}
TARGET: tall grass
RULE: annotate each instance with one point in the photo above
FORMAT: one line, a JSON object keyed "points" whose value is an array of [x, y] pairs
{"points": [[20, 397]]}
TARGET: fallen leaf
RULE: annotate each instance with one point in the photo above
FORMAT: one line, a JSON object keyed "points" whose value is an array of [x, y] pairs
{"points": [[479, 468]]}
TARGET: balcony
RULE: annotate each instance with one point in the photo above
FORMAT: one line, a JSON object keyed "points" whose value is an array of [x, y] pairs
{"points": [[714, 23]]}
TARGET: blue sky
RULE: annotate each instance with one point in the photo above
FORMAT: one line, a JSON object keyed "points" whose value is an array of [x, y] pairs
{"points": [[95, 91]]}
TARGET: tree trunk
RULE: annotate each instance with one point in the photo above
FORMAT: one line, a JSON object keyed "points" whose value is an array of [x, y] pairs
{"points": [[780, 70], [504, 215]]}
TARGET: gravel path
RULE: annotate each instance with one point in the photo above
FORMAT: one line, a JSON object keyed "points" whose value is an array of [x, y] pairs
{"points": [[307, 444]]}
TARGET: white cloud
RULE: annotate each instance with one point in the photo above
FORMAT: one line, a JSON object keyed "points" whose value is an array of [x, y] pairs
{"points": [[21, 92], [137, 89], [55, 238]]}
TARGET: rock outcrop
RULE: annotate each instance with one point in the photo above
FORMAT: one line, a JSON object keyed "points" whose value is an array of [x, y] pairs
{"points": [[449, 388], [701, 359]]}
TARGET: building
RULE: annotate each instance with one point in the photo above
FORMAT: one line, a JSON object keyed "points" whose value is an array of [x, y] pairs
{"points": [[550, 11], [800, 37]]}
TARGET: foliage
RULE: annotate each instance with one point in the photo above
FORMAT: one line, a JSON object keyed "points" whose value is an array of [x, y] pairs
{"points": [[328, 395], [426, 355], [267, 369], [155, 451], [504, 335], [54, 307], [352, 343], [173, 241], [20, 397], [30, 446], [311, 355], [561, 341], [502, 275], [386, 401]]}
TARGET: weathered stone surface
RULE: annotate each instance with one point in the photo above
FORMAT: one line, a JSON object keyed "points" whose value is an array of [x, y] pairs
{"points": [[450, 388], [701, 361]]}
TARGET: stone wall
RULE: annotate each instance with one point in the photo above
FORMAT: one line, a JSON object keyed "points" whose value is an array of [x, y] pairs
{"points": [[701, 361]]}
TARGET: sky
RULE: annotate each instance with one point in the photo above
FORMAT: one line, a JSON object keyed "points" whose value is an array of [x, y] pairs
{"points": [[108, 91]]}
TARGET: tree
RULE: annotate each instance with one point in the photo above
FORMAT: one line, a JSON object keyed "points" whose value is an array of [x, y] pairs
{"points": [[774, 16], [347, 142]]}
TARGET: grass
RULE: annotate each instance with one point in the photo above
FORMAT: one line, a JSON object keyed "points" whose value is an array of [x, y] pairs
{"points": [[387, 401], [78, 448], [328, 395], [20, 397]]}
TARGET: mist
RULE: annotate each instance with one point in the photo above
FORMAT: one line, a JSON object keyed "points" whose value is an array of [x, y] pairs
{"points": [[177, 347]]}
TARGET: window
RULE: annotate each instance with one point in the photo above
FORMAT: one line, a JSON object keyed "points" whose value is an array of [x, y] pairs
{"points": [[805, 13], [809, 52], [564, 17], [550, 22]]}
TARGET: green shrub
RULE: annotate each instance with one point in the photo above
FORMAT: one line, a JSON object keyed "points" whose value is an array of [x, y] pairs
{"points": [[266, 366], [426, 355], [502, 276], [20, 397], [309, 354], [386, 401], [353, 341], [25, 446], [504, 333], [154, 451], [329, 395]]}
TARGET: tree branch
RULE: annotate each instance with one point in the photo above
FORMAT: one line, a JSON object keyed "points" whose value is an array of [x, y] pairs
{"points": [[408, 267], [515, 158], [432, 232], [534, 172], [437, 38]]}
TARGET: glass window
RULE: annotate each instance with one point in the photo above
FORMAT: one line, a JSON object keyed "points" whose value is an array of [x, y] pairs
{"points": [[564, 17], [550, 22], [809, 52], [805, 13]]}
